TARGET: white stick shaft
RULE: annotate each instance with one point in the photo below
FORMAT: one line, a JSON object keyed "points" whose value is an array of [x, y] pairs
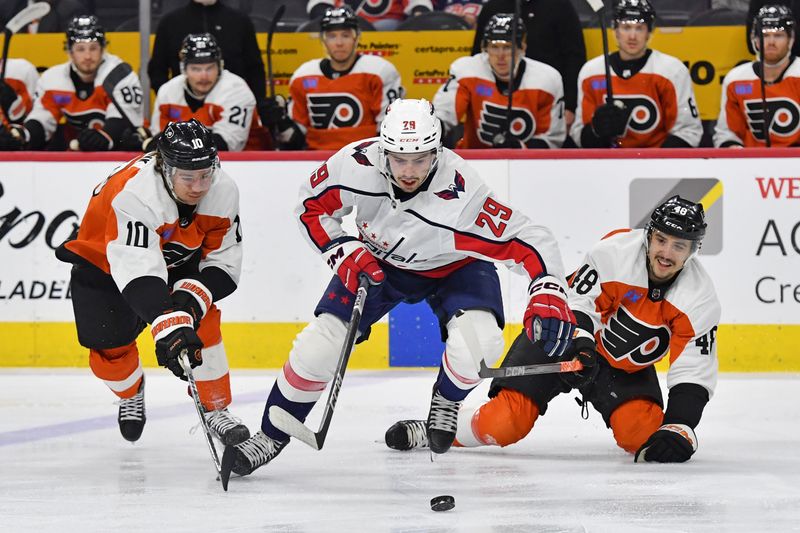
{"points": [[596, 5], [27, 15]]}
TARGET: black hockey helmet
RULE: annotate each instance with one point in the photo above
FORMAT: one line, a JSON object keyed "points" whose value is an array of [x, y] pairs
{"points": [[680, 218], [199, 48], [337, 18], [187, 145], [637, 11], [84, 28], [771, 18], [500, 28]]}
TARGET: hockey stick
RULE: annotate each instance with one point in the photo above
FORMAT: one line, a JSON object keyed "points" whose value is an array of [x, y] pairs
{"points": [[767, 118], [470, 339], [598, 7], [19, 21], [274, 24], [187, 368], [292, 426]]}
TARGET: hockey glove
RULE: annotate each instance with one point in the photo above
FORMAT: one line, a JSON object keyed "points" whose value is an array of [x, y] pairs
{"points": [[610, 120], [94, 140], [133, 140], [548, 318], [671, 443], [272, 112], [7, 97], [502, 140], [582, 349], [174, 332], [350, 259], [191, 296], [12, 138]]}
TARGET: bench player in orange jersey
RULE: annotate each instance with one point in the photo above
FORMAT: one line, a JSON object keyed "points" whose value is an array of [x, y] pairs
{"points": [[159, 244], [336, 100], [654, 104], [742, 118], [96, 95], [478, 89], [17, 91], [639, 296]]}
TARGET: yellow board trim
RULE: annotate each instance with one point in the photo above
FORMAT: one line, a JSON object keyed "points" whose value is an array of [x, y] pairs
{"points": [[742, 347]]}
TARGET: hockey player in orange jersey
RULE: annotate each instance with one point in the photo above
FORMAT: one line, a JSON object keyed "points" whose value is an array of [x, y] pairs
{"points": [[639, 296], [478, 89], [742, 116], [337, 100], [159, 244], [654, 104], [17, 91], [95, 93]]}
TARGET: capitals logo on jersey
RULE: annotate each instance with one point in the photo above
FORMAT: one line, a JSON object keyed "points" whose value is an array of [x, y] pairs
{"points": [[626, 337], [333, 110], [784, 113], [451, 192], [644, 115], [493, 121]]}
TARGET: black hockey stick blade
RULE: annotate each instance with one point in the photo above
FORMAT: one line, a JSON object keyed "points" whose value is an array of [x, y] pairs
{"points": [[226, 467], [529, 370]]}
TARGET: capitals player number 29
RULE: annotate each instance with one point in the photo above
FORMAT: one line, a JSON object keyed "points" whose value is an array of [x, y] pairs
{"points": [[320, 175], [409, 124], [493, 215]]}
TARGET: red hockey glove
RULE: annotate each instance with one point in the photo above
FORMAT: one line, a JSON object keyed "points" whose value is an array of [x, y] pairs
{"points": [[548, 318], [349, 260]]}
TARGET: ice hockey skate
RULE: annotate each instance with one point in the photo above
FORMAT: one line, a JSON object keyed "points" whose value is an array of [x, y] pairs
{"points": [[407, 435], [253, 453], [442, 423], [225, 427], [131, 416]]}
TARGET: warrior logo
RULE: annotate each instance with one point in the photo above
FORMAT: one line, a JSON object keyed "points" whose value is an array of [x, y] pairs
{"points": [[493, 121], [784, 113], [360, 153], [625, 337], [451, 192], [176, 254], [644, 115], [334, 110], [375, 8]]}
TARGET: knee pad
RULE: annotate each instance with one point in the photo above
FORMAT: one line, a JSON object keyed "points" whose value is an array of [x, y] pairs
{"points": [[460, 364], [119, 368], [634, 421], [505, 419]]}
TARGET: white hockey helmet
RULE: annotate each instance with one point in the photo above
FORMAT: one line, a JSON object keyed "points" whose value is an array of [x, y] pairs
{"points": [[410, 126]]}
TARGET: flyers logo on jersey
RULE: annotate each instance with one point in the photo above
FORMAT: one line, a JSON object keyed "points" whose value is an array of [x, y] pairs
{"points": [[375, 8], [784, 112], [334, 110], [493, 121], [175, 254], [626, 337], [644, 114]]}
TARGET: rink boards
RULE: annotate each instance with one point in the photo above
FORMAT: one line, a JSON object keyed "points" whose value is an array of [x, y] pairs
{"points": [[751, 249]]}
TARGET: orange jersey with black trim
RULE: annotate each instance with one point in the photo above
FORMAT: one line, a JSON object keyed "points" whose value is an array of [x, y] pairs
{"points": [[21, 76], [636, 325], [471, 96], [375, 10], [333, 112], [132, 227], [741, 113], [659, 97]]}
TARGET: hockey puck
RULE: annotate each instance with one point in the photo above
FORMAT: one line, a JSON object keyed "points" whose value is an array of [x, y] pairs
{"points": [[442, 503]]}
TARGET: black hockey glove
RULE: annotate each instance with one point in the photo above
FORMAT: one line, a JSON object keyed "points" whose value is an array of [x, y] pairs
{"points": [[174, 332], [12, 138], [610, 120], [583, 349], [272, 112], [671, 443], [133, 140], [7, 96], [94, 140]]}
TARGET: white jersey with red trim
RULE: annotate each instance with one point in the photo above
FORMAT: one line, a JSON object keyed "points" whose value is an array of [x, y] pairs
{"points": [[21, 76], [227, 109], [56, 97], [455, 219], [632, 329]]}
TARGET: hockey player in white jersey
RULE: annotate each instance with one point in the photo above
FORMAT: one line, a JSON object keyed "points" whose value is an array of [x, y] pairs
{"points": [[428, 229], [17, 91], [654, 104], [639, 296], [217, 98], [95, 93], [160, 244]]}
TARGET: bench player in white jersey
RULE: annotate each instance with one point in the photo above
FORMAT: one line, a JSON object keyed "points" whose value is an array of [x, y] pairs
{"points": [[96, 93], [742, 118], [159, 244], [654, 104], [17, 91], [337, 100], [639, 295], [429, 229], [217, 98], [477, 94]]}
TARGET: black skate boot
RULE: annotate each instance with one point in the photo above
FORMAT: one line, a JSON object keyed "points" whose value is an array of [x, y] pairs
{"points": [[407, 435], [442, 423], [225, 427], [256, 451], [131, 415]]}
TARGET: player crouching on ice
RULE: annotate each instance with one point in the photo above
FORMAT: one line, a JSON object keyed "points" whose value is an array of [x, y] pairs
{"points": [[159, 244], [639, 295], [429, 229]]}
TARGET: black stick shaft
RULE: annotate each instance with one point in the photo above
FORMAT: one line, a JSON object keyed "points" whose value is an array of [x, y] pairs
{"points": [[764, 107], [512, 72], [6, 43]]}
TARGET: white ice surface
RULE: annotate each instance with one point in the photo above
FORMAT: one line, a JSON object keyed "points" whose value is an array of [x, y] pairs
{"points": [[66, 468]]}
